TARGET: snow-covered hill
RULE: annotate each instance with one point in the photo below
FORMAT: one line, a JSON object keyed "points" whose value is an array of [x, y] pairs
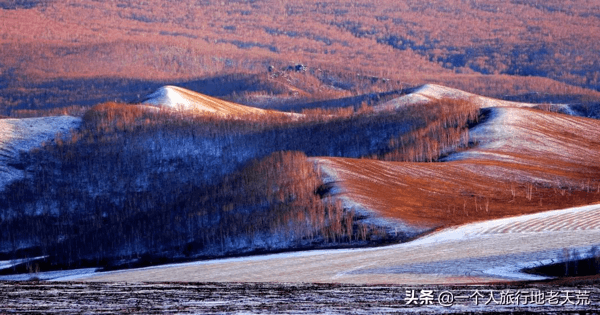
{"points": [[177, 98], [433, 92], [535, 137], [18, 135]]}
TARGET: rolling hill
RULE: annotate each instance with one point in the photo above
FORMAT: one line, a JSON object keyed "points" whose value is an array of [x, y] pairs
{"points": [[208, 178], [523, 161], [177, 98], [433, 92]]}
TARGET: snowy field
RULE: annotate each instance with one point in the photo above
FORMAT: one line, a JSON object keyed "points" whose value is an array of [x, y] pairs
{"points": [[484, 252]]}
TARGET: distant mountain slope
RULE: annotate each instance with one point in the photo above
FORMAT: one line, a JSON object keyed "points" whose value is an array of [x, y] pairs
{"points": [[433, 92], [429, 93], [524, 161], [18, 135], [407, 41], [177, 98]]}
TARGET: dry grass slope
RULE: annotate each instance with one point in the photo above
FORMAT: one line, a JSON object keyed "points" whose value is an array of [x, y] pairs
{"points": [[526, 161]]}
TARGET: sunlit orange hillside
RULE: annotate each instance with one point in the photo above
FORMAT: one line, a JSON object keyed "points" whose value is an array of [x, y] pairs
{"points": [[521, 161]]}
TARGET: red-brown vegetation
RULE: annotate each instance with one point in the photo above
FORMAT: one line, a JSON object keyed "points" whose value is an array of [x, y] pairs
{"points": [[535, 161], [508, 49]]}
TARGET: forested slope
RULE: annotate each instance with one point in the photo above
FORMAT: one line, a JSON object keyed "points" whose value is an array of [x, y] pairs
{"points": [[175, 185]]}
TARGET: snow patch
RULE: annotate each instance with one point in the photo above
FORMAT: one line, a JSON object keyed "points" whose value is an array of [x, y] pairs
{"points": [[17, 135], [531, 223], [4, 264], [509, 132], [59, 275], [168, 96], [180, 99]]}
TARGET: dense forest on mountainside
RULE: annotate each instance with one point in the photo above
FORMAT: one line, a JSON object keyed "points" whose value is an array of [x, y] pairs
{"points": [[86, 52], [553, 39]]}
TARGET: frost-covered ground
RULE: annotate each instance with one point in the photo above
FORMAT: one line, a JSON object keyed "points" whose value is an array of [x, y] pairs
{"points": [[59, 275], [482, 252], [286, 298], [18, 135]]}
